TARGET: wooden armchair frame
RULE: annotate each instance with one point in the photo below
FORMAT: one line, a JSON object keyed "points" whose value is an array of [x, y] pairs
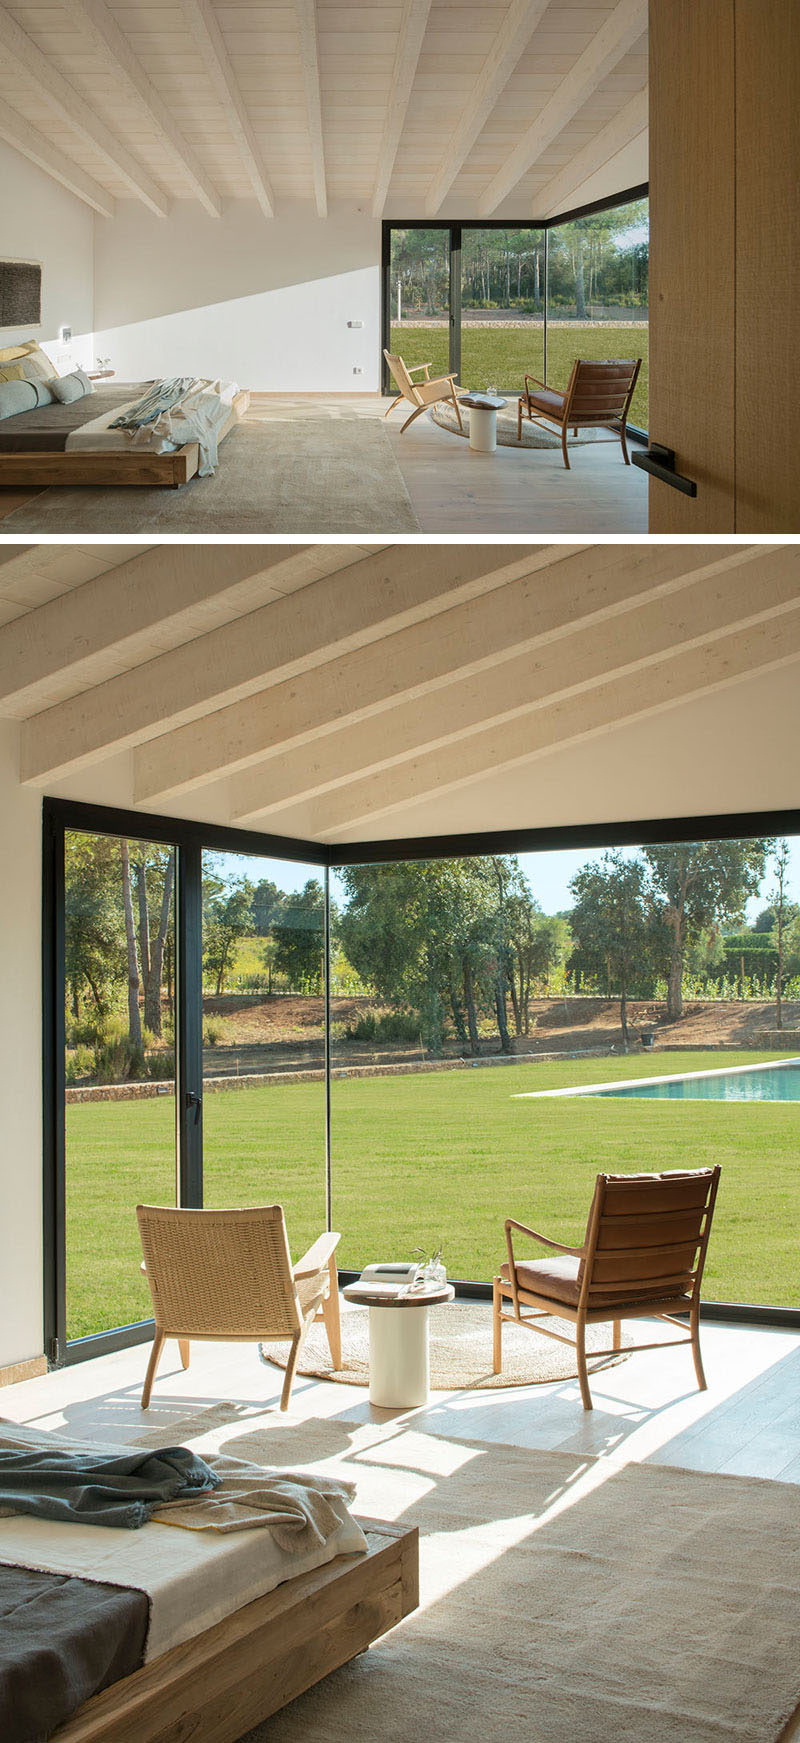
{"points": [[582, 403], [226, 1275], [677, 1299], [420, 394]]}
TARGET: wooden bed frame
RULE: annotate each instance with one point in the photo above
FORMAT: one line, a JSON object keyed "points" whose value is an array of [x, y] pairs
{"points": [[38, 471], [218, 1686]]}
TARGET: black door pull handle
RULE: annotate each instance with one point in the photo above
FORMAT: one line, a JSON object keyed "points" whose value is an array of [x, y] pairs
{"points": [[194, 1101], [660, 463]]}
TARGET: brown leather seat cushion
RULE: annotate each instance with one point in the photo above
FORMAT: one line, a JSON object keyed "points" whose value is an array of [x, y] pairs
{"points": [[555, 1278], [546, 399]]}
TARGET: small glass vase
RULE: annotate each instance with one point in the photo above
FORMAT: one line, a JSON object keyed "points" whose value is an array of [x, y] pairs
{"points": [[434, 1276]]}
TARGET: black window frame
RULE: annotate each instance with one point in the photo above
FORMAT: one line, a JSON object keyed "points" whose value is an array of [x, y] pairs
{"points": [[456, 228], [190, 839]]}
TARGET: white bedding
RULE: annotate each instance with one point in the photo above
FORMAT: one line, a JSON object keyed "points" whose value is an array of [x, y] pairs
{"points": [[192, 1578], [199, 417]]}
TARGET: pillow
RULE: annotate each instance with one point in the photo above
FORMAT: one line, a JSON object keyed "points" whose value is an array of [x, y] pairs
{"points": [[67, 388], [38, 363], [12, 372], [17, 396], [31, 371]]}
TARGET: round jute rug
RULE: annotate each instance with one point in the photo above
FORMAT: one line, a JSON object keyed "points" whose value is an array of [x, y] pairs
{"points": [[533, 435], [461, 1350]]}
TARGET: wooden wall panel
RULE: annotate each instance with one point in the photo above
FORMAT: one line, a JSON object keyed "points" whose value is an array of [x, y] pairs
{"points": [[692, 259], [767, 266]]}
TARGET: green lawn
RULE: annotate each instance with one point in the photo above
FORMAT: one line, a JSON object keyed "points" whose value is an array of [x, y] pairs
{"points": [[501, 357], [436, 1157]]}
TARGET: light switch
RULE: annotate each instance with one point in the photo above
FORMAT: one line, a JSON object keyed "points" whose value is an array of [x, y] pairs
{"points": [[355, 323]]}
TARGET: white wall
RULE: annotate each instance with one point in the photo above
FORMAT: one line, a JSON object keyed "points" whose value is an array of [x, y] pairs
{"points": [[40, 220], [263, 301], [20, 1061]]}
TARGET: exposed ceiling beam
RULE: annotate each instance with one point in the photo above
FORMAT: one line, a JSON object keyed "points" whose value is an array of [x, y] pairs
{"points": [[78, 115], [202, 22], [578, 585], [678, 679], [344, 611], [27, 140], [511, 41], [111, 47], [306, 11], [413, 25], [628, 124], [506, 694], [177, 591], [616, 36]]}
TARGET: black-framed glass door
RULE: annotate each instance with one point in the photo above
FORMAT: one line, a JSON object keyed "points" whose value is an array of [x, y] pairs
{"points": [[492, 302]]}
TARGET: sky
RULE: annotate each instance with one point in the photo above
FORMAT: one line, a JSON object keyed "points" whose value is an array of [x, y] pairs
{"points": [[548, 874]]}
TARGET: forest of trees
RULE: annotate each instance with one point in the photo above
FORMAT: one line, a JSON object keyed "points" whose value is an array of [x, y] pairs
{"points": [[457, 948], [601, 259]]}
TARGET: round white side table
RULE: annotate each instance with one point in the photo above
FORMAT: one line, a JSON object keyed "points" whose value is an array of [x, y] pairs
{"points": [[399, 1364], [483, 410]]}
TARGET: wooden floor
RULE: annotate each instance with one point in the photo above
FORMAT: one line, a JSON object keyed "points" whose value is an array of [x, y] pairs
{"points": [[647, 1409], [456, 492]]}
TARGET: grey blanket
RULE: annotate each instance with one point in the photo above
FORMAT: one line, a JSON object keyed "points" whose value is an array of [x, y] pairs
{"points": [[91, 1488], [62, 1640], [162, 396]]}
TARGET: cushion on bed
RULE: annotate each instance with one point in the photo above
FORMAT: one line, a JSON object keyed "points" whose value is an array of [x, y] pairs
{"points": [[34, 360], [17, 396], [67, 388], [12, 372]]}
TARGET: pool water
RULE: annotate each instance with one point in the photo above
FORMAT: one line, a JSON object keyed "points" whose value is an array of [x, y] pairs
{"points": [[745, 1083]]}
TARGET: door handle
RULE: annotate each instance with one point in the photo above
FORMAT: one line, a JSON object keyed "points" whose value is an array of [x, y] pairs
{"points": [[194, 1101], [660, 463]]}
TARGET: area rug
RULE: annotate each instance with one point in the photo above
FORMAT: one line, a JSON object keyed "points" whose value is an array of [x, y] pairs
{"points": [[313, 475], [562, 1597], [533, 435], [460, 1346]]}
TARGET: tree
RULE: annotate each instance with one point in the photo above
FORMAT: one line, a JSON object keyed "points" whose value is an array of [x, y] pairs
{"points": [[134, 983], [94, 936], [267, 903], [159, 864], [298, 931], [697, 884], [612, 922], [780, 865], [227, 916]]}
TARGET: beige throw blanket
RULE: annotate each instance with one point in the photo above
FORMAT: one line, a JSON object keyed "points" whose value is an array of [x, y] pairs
{"points": [[294, 1506]]}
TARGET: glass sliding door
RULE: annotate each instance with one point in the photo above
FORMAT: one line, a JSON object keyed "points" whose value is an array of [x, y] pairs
{"points": [[502, 307], [419, 296], [264, 1038], [597, 294], [119, 1068]]}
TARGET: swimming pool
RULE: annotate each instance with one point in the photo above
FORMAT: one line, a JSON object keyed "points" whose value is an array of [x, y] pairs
{"points": [[779, 1082]]}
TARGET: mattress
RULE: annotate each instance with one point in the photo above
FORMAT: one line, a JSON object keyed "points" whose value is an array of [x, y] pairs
{"points": [[46, 429]]}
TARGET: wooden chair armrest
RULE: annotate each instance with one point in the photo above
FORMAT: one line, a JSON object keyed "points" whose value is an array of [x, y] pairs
{"points": [[413, 367], [557, 1246], [317, 1257]]}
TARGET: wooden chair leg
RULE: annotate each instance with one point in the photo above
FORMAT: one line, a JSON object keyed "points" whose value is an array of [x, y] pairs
{"points": [[616, 1341], [624, 445], [583, 1373], [330, 1315], [155, 1357], [694, 1325], [183, 1346], [397, 401], [564, 446], [291, 1366], [458, 412], [417, 414], [497, 1328], [519, 420]]}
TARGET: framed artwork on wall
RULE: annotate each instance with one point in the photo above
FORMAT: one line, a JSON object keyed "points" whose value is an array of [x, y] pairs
{"points": [[20, 293]]}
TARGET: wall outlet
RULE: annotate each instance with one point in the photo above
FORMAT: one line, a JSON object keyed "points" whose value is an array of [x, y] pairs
{"points": [[65, 335], [356, 370], [355, 323]]}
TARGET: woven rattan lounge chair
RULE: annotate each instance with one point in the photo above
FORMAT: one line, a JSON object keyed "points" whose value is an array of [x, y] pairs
{"points": [[226, 1275], [598, 396], [643, 1256], [420, 394]]}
